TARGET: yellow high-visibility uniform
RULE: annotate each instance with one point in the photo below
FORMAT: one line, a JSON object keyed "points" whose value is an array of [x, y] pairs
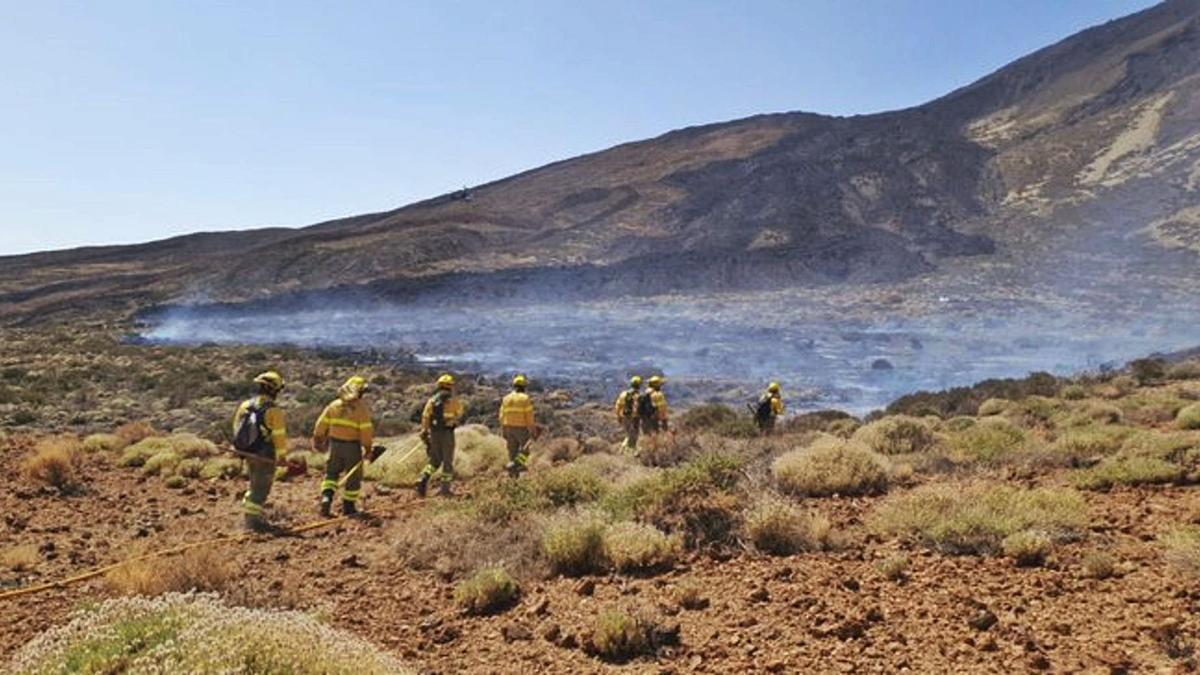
{"points": [[262, 474], [659, 399], [516, 410], [346, 421]]}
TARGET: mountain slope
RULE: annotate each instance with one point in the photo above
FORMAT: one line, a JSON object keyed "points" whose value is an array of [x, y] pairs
{"points": [[1102, 123]]}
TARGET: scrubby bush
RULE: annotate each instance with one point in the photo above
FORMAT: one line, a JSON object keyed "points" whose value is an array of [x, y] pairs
{"points": [[562, 449], [1184, 370], [994, 406], [1182, 547], [1098, 565], [488, 591], [992, 439], [103, 443], [55, 463], [175, 482], [689, 594], [454, 543], [778, 527], [1074, 392], [1189, 417], [959, 424], [1090, 441], [204, 568], [1148, 371], [20, 558], [221, 467], [977, 518], [161, 464], [573, 543], [896, 435], [569, 485], [1127, 470], [1181, 447], [619, 636], [1027, 548], [720, 420], [186, 633], [173, 448], [1098, 411], [893, 567], [135, 432], [634, 547], [400, 466], [695, 500], [831, 466]]}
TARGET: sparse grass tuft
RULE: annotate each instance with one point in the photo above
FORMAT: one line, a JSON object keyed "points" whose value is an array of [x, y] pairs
{"points": [[197, 569], [1183, 549], [778, 527], [454, 543], [1090, 441], [1027, 548], [897, 435], [187, 633], [161, 464], [1098, 565], [831, 466], [893, 567], [574, 543], [619, 636], [635, 547], [1127, 470], [689, 594], [569, 485], [55, 463], [992, 439], [103, 443], [488, 591], [977, 518], [20, 558]]}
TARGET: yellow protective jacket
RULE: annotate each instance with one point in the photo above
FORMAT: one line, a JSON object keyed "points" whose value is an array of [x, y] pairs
{"points": [[453, 411], [627, 398], [776, 404], [345, 420], [516, 410], [275, 420], [659, 400]]}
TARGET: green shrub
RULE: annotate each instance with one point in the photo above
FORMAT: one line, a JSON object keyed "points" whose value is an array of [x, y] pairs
{"points": [[632, 547], [1090, 441], [994, 406], [1098, 565], [574, 543], [619, 636], [103, 443], [778, 527], [1035, 411], [1189, 417], [186, 633], [1098, 411], [960, 423], [502, 500], [831, 466], [221, 467], [1182, 547], [896, 435], [488, 591], [977, 518], [992, 439], [162, 464], [1074, 392], [1176, 447], [569, 485], [175, 482], [1027, 548], [182, 446], [1147, 371], [1127, 470]]}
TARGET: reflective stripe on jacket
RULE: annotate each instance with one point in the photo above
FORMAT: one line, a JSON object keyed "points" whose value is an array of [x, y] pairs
{"points": [[346, 421], [516, 410]]}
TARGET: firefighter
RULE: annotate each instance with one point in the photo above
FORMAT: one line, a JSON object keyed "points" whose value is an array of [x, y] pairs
{"points": [[769, 409], [270, 444], [652, 407], [346, 431], [517, 425], [442, 414], [626, 410]]}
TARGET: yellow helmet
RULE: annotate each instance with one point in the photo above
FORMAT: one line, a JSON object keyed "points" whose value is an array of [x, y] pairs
{"points": [[657, 381], [445, 381], [774, 388], [354, 388], [635, 381], [272, 380], [520, 381]]}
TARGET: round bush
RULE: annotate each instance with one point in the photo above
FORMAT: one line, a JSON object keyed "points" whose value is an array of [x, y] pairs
{"points": [[897, 435], [831, 466], [1189, 417]]}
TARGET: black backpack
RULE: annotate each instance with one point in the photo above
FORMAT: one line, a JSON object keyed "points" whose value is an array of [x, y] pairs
{"points": [[438, 419], [252, 432], [764, 411], [645, 406]]}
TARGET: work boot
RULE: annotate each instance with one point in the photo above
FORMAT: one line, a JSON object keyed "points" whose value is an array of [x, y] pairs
{"points": [[423, 485], [327, 503], [445, 490], [349, 509]]}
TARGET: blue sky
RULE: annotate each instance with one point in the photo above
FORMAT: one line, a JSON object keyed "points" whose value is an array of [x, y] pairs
{"points": [[129, 121]]}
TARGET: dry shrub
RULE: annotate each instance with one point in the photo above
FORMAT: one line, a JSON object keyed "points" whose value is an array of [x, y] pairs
{"points": [[20, 558], [478, 451], [894, 567], [1090, 442], [690, 594], [1099, 411], [55, 462], [1182, 547], [189, 633], [400, 466], [992, 439], [221, 467], [831, 466], [1184, 370], [453, 543], [1027, 548], [573, 543], [135, 432], [778, 527], [1098, 565], [635, 547], [488, 591], [1189, 417], [994, 406], [173, 449], [897, 435], [161, 464], [569, 485], [104, 443], [977, 518], [1127, 470], [204, 568], [696, 500], [1178, 447], [619, 636], [561, 449], [1073, 392]]}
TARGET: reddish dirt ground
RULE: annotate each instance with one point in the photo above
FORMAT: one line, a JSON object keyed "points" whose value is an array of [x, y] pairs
{"points": [[828, 612]]}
